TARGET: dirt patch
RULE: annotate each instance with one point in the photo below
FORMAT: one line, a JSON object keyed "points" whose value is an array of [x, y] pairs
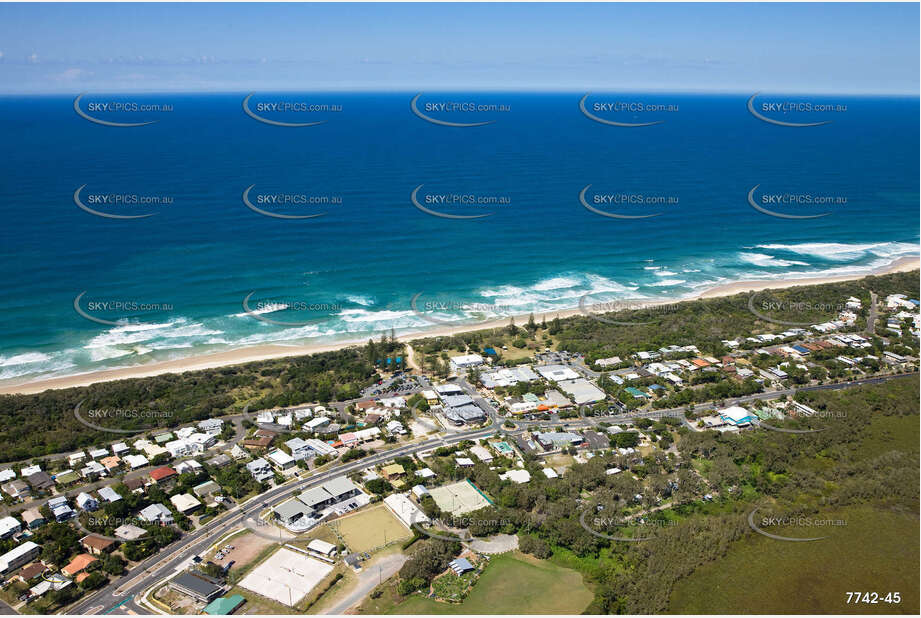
{"points": [[246, 547]]}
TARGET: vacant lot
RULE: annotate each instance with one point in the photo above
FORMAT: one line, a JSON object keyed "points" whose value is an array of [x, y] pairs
{"points": [[370, 528], [876, 552], [513, 584], [247, 547]]}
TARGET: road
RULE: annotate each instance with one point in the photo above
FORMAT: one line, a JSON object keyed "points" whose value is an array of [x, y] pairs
{"points": [[370, 577], [874, 312], [173, 557]]}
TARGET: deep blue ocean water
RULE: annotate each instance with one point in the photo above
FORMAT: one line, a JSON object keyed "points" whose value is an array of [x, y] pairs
{"points": [[353, 272]]}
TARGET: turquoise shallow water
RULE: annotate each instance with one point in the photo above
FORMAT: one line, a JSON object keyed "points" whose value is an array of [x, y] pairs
{"points": [[173, 284]]}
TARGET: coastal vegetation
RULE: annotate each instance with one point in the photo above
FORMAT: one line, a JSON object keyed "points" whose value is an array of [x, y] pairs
{"points": [[864, 459], [44, 423]]}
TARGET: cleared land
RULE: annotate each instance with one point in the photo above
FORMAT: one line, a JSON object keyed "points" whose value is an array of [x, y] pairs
{"points": [[458, 498], [513, 584], [247, 547], [370, 528], [286, 577], [812, 578]]}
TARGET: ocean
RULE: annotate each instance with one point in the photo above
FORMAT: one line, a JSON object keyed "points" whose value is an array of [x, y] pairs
{"points": [[84, 291]]}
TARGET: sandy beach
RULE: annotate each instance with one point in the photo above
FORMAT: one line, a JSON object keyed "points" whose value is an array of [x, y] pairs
{"points": [[265, 352]]}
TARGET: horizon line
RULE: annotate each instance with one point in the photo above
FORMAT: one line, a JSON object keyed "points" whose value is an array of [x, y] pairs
{"points": [[471, 90]]}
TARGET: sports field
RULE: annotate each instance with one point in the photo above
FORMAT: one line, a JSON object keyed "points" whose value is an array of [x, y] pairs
{"points": [[513, 584], [458, 498], [286, 576], [813, 577], [370, 528]]}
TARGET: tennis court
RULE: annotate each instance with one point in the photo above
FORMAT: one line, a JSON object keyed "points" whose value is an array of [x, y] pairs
{"points": [[458, 498]]}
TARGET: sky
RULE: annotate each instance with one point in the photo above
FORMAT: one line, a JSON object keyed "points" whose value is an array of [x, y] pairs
{"points": [[785, 48]]}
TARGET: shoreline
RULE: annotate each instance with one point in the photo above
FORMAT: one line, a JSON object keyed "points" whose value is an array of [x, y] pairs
{"points": [[273, 351]]}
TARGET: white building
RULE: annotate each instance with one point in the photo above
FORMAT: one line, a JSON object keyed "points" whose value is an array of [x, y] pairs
{"points": [[556, 373], [315, 424], [466, 361], [516, 476], [9, 526], [156, 514], [86, 502], [190, 465], [281, 459], [481, 453], [214, 426], [405, 510], [260, 469], [135, 461], [185, 503], [299, 449], [30, 470]]}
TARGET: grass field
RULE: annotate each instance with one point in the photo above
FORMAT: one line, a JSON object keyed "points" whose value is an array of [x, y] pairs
{"points": [[513, 584], [370, 528], [877, 551]]}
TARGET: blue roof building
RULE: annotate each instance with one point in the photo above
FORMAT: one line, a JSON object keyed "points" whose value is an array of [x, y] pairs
{"points": [[461, 566]]}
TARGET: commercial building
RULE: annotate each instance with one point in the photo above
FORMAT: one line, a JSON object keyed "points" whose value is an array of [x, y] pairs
{"points": [[581, 391], [196, 586], [291, 512], [223, 606], [556, 373], [466, 361], [736, 416], [557, 439], [329, 493]]}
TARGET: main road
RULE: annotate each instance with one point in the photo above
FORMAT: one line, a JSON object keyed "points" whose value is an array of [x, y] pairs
{"points": [[121, 593], [171, 558]]}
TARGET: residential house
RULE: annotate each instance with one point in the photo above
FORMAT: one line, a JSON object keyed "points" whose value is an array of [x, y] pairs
{"points": [[33, 518], [185, 503], [260, 469], [9, 526], [163, 475], [86, 502], [108, 494], [156, 514], [60, 509], [17, 489], [97, 545], [79, 564]]}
